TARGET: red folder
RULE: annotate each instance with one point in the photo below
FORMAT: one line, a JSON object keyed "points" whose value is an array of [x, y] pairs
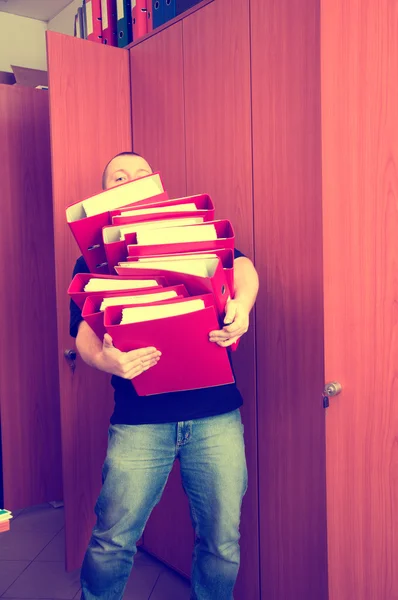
{"points": [[94, 25], [216, 285], [226, 255], [140, 19], [116, 249], [225, 239], [187, 362], [109, 22], [95, 318], [78, 295], [87, 231], [203, 203]]}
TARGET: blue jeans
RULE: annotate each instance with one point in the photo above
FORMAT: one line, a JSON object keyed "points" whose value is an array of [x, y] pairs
{"points": [[137, 465]]}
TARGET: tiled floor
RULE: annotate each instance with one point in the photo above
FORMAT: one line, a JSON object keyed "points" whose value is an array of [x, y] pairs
{"points": [[32, 564]]}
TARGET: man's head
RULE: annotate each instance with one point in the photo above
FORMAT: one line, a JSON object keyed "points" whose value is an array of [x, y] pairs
{"points": [[123, 167]]}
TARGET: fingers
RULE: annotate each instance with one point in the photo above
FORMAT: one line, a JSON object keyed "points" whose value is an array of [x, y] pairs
{"points": [[140, 368], [229, 342], [136, 367], [222, 336], [239, 327], [144, 353], [107, 342], [218, 336], [230, 314], [234, 328]]}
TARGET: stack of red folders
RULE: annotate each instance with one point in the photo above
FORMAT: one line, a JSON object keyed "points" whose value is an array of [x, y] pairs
{"points": [[161, 275]]}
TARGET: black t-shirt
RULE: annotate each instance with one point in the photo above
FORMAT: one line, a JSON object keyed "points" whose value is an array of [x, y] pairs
{"points": [[131, 409]]}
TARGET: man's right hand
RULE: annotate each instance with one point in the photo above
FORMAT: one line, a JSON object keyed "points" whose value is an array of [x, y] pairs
{"points": [[126, 364]]}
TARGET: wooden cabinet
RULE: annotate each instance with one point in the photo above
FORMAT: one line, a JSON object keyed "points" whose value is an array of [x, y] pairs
{"points": [[29, 387], [286, 115]]}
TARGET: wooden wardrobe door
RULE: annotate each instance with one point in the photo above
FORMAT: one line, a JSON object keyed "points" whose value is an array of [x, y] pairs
{"points": [[29, 388], [218, 148], [157, 103], [285, 49], [159, 135], [360, 224], [90, 123]]}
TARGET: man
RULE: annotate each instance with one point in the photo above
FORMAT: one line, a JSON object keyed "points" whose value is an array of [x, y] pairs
{"points": [[202, 428]]}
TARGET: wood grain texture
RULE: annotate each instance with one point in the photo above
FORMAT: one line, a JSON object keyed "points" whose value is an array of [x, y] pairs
{"points": [[219, 162], [285, 47], [170, 23], [159, 135], [360, 224], [90, 123], [29, 393], [157, 99]]}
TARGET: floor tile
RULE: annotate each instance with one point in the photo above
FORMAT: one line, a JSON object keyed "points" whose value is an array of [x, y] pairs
{"points": [[42, 518], [142, 581], [143, 558], [55, 550], [171, 586], [9, 571], [15, 513], [45, 580], [23, 545]]}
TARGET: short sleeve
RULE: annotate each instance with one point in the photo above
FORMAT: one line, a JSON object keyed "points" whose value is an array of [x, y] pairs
{"points": [[75, 312], [238, 254]]}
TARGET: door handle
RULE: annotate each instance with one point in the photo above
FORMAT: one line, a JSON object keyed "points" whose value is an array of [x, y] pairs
{"points": [[332, 389], [70, 356]]}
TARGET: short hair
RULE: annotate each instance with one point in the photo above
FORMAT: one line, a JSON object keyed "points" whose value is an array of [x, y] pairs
{"points": [[130, 153]]}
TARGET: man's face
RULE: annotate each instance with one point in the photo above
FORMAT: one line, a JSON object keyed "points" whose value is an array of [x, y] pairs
{"points": [[125, 168]]}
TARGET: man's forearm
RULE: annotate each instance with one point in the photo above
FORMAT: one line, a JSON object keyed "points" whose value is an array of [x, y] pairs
{"points": [[89, 346], [246, 282]]}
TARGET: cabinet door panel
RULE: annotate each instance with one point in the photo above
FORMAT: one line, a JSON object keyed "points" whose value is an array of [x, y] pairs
{"points": [[157, 100], [360, 224], [285, 49], [29, 392], [159, 135], [89, 88], [219, 162]]}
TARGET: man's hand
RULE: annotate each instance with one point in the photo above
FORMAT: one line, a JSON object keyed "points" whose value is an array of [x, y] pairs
{"points": [[236, 323], [125, 364]]}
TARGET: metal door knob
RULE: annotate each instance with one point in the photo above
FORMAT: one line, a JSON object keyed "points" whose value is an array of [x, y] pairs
{"points": [[333, 389], [70, 355]]}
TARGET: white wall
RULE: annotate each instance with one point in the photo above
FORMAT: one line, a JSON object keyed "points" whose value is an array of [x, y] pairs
{"points": [[22, 42], [65, 20]]}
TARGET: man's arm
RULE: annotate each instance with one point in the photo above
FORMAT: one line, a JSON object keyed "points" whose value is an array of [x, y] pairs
{"points": [[246, 283], [105, 357], [238, 309]]}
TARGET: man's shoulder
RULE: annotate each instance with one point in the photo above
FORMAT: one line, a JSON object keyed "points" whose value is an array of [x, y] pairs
{"points": [[238, 254], [80, 266]]}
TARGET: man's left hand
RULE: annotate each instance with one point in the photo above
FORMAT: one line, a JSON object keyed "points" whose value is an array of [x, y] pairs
{"points": [[236, 323]]}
